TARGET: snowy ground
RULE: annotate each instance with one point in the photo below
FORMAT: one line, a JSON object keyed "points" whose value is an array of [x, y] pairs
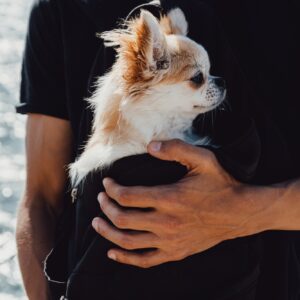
{"points": [[13, 23]]}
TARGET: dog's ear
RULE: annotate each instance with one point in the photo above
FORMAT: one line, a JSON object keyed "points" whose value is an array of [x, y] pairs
{"points": [[150, 39], [141, 46], [175, 22]]}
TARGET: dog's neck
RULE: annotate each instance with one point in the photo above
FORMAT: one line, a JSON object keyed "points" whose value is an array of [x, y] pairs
{"points": [[152, 125]]}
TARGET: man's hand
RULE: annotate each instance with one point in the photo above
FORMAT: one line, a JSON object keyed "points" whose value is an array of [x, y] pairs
{"points": [[205, 208]]}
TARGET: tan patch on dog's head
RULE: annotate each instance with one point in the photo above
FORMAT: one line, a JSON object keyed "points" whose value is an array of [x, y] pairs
{"points": [[183, 63]]}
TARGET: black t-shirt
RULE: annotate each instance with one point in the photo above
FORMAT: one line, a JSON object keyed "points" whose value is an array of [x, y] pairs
{"points": [[63, 57]]}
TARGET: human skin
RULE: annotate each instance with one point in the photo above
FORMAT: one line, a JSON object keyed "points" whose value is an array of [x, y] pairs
{"points": [[48, 148], [203, 209]]}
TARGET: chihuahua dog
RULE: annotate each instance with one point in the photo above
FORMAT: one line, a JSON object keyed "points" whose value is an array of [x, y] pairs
{"points": [[158, 85]]}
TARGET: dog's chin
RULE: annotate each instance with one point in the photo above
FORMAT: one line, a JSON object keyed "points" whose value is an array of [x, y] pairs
{"points": [[204, 109]]}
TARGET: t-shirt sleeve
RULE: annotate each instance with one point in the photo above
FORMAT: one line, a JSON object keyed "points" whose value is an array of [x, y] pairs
{"points": [[43, 81]]}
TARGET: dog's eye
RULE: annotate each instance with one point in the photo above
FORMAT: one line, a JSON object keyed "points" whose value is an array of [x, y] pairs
{"points": [[198, 79]]}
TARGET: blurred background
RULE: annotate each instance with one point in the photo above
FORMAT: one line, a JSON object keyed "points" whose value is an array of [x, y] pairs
{"points": [[13, 25]]}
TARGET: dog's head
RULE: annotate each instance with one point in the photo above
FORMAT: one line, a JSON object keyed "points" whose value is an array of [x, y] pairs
{"points": [[162, 69]]}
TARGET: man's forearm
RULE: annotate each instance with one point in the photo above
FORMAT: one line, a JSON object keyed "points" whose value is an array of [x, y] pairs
{"points": [[279, 207], [48, 152], [35, 232]]}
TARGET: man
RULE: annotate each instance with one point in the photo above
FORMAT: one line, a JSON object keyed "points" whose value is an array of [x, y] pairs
{"points": [[62, 50]]}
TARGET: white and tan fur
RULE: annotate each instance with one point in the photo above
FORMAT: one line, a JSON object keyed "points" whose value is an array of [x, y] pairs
{"points": [[148, 94]]}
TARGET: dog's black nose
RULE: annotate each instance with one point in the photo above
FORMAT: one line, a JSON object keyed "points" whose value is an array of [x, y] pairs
{"points": [[220, 82]]}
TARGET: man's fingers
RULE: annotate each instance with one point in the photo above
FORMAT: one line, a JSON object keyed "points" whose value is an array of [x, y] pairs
{"points": [[129, 218], [139, 197], [141, 260], [123, 239], [176, 150]]}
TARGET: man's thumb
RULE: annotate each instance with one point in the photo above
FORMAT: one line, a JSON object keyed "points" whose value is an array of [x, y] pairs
{"points": [[176, 150]]}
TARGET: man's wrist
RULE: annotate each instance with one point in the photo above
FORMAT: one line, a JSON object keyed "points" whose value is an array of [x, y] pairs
{"points": [[272, 207], [288, 205], [263, 206]]}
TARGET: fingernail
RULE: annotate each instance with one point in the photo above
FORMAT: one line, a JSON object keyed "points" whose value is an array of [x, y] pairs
{"points": [[155, 146], [112, 255], [100, 198], [95, 223]]}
